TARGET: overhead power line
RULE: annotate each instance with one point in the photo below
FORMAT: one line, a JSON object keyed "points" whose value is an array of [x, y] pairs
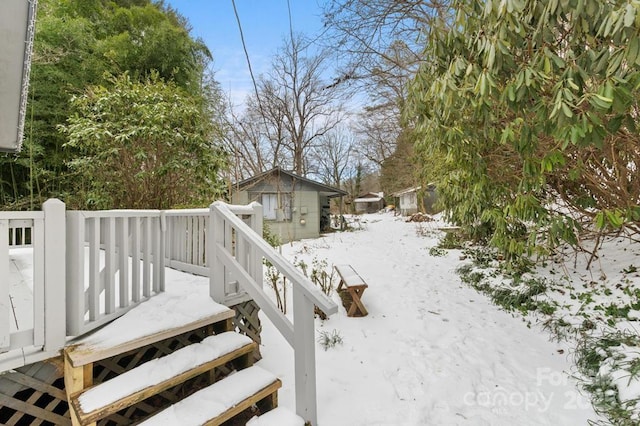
{"points": [[246, 54]]}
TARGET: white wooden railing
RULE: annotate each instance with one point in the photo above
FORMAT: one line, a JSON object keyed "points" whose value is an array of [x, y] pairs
{"points": [[112, 264], [20, 233], [38, 330], [236, 255], [186, 241], [108, 258]]}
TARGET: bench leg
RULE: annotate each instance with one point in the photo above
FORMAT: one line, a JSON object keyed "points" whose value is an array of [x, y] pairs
{"points": [[357, 305]]}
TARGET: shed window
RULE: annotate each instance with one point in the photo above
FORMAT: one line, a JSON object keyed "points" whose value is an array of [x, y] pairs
{"points": [[276, 206]]}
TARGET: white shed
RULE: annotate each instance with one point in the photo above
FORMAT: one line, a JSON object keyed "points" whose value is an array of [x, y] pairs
{"points": [[408, 200], [416, 199]]}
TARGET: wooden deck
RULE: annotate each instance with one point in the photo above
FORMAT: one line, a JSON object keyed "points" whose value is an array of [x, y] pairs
{"points": [[73, 272]]}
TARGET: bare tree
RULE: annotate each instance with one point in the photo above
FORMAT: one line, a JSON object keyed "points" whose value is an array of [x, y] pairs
{"points": [[292, 109], [246, 144], [297, 105], [380, 43], [364, 31], [334, 156]]}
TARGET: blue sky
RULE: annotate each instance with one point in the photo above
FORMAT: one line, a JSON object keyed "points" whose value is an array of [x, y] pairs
{"points": [[264, 23]]}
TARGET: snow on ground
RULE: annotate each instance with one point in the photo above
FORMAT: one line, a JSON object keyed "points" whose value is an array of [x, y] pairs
{"points": [[432, 351]]}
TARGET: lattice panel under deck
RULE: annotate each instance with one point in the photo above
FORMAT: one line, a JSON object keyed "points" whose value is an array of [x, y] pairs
{"points": [[247, 322], [34, 395]]}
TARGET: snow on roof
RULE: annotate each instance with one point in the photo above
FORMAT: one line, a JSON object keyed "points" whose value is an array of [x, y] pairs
{"points": [[406, 191], [367, 200]]}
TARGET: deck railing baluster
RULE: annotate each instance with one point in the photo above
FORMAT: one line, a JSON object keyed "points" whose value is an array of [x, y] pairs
{"points": [[135, 259], [122, 242]]}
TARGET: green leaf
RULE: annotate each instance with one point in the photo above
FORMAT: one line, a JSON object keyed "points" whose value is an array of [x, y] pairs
{"points": [[566, 110], [629, 15], [614, 218], [599, 220]]}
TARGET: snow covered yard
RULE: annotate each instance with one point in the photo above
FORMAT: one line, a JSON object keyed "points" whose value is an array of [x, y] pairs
{"points": [[432, 351]]}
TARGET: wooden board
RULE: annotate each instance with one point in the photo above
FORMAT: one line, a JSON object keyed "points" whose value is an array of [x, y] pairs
{"points": [[349, 277]]}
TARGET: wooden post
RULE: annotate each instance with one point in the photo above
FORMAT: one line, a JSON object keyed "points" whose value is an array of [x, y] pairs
{"points": [[94, 268], [5, 302], [169, 239], [217, 274], [256, 259], [122, 231], [157, 264], [76, 379], [39, 283], [54, 273], [75, 272], [146, 257], [162, 249], [305, 356], [109, 265], [135, 259]]}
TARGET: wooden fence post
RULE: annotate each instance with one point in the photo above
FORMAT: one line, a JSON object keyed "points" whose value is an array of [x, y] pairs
{"points": [[217, 274], [304, 356], [54, 273], [5, 302], [257, 225], [75, 272]]}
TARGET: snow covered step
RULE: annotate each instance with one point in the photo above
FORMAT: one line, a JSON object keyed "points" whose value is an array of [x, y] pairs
{"points": [[159, 374], [146, 324], [222, 400], [277, 417]]}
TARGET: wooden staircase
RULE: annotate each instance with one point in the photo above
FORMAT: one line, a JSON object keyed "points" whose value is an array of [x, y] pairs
{"points": [[220, 401]]}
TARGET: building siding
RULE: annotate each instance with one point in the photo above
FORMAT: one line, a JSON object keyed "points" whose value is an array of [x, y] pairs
{"points": [[305, 205]]}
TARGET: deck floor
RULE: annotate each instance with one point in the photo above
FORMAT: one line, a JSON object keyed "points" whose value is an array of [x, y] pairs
{"points": [[21, 288], [186, 299]]}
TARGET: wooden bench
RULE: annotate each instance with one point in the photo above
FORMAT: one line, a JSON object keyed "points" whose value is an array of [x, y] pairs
{"points": [[353, 286]]}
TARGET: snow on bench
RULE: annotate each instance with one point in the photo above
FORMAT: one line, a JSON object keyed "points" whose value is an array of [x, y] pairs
{"points": [[222, 400], [352, 283]]}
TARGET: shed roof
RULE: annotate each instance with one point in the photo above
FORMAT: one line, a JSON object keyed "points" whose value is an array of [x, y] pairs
{"points": [[430, 187], [367, 200], [406, 191], [326, 190]]}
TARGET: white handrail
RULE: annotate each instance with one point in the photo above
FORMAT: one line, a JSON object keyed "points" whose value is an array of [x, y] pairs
{"points": [[227, 233], [310, 291]]}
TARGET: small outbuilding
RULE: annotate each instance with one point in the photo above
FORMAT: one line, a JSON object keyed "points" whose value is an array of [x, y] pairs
{"points": [[415, 199], [293, 206], [371, 202]]}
